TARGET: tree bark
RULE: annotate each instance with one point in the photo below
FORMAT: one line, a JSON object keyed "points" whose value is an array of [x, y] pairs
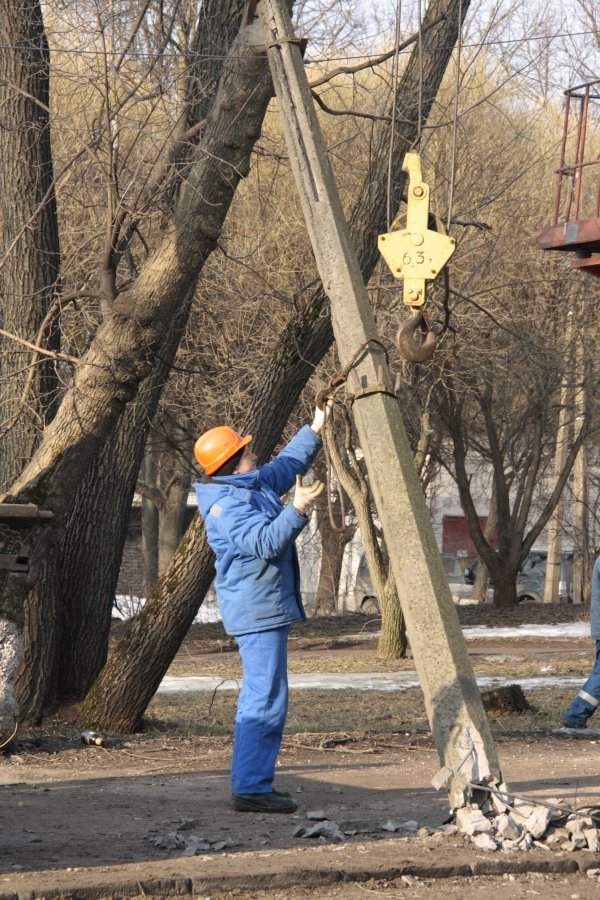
{"points": [[482, 576], [92, 546], [120, 695], [29, 244]]}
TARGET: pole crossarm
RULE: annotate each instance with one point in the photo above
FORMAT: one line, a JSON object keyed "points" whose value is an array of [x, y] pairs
{"points": [[458, 721]]}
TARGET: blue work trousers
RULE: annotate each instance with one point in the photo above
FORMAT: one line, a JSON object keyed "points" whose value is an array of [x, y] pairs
{"points": [[588, 698], [261, 711]]}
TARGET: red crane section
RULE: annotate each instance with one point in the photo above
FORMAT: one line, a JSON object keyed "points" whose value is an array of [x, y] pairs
{"points": [[576, 225]]}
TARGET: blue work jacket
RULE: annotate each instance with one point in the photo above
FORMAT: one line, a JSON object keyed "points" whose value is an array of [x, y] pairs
{"points": [[252, 534]]}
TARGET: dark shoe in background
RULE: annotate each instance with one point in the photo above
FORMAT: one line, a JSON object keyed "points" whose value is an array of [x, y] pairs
{"points": [[266, 803]]}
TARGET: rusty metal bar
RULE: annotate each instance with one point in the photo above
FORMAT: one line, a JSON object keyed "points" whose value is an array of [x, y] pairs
{"points": [[578, 87], [561, 169], [580, 153]]}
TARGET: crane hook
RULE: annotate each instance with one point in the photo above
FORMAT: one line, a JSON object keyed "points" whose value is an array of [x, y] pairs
{"points": [[412, 350]]}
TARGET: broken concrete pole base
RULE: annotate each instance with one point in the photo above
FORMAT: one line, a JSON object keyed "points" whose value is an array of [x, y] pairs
{"points": [[470, 767], [11, 651]]}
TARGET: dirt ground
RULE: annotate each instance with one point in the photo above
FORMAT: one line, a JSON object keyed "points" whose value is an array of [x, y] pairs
{"points": [[81, 821]]}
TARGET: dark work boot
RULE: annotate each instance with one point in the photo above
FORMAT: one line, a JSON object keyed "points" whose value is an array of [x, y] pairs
{"points": [[281, 793], [573, 723], [265, 803]]}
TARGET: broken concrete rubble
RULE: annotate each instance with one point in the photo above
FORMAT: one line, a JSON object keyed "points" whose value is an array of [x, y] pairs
{"points": [[522, 826], [409, 826], [507, 828], [527, 825], [324, 829], [471, 820], [191, 844], [484, 842], [538, 821]]}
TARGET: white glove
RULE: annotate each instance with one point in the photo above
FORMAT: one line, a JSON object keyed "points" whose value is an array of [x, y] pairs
{"points": [[319, 419], [306, 495]]}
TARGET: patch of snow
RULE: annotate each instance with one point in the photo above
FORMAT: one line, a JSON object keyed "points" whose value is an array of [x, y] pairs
{"points": [[367, 681], [558, 630], [127, 605]]}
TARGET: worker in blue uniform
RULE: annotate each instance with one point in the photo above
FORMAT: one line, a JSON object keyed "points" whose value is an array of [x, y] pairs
{"points": [[258, 588]]}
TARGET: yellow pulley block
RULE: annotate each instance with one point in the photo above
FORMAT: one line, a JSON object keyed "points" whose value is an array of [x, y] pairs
{"points": [[415, 253]]}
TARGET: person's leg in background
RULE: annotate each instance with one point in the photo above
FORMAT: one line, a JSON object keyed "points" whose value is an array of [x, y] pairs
{"points": [[587, 701]]}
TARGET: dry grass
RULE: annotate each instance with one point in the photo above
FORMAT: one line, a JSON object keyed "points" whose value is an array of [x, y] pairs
{"points": [[316, 711], [329, 645]]}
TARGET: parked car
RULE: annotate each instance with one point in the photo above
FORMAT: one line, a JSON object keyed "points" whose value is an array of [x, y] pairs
{"points": [[532, 578], [365, 599]]}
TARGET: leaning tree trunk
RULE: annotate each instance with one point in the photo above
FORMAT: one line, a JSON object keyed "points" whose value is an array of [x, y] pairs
{"points": [[128, 342], [29, 244], [302, 346]]}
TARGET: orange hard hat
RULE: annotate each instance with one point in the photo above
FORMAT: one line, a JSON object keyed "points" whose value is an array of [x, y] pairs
{"points": [[215, 447]]}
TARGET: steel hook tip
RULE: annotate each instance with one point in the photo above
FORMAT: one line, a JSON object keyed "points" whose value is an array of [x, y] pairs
{"points": [[411, 349]]}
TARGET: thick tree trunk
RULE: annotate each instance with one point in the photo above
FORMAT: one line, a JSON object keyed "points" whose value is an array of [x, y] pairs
{"points": [[482, 577], [505, 588], [119, 698], [29, 237], [301, 347], [333, 545], [393, 642]]}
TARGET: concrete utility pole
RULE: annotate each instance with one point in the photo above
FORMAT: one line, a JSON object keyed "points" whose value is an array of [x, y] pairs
{"points": [[458, 722], [556, 525], [555, 528], [581, 530]]}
